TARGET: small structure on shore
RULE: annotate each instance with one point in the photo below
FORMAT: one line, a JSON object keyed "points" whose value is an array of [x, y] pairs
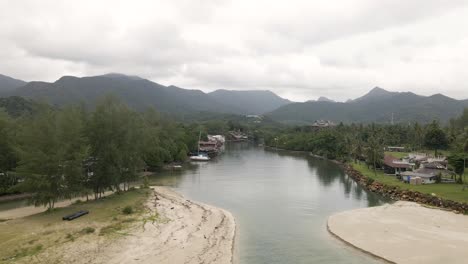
{"points": [[238, 136], [395, 149], [319, 124], [393, 165]]}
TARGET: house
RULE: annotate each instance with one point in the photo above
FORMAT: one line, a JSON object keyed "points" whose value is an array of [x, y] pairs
{"points": [[323, 124], [393, 165], [395, 149], [426, 178], [428, 172]]}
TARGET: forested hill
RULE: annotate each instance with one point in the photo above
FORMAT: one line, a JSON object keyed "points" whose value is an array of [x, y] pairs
{"points": [[140, 94], [376, 106], [16, 106], [250, 102], [9, 84]]}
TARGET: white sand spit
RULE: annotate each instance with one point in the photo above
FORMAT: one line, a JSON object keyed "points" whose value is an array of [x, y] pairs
{"points": [[405, 232], [188, 232]]}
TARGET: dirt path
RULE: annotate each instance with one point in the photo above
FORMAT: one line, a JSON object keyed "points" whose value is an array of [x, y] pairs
{"points": [[31, 210], [405, 232]]}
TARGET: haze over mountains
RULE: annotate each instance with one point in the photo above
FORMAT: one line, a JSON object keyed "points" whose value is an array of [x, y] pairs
{"points": [[378, 105]]}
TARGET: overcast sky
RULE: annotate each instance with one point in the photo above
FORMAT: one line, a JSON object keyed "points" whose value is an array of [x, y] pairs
{"points": [[299, 49]]}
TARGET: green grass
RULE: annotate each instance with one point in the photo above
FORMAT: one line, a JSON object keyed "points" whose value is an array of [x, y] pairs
{"points": [[28, 236], [449, 191]]}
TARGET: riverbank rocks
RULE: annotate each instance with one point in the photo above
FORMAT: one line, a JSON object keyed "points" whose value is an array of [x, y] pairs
{"points": [[397, 194]]}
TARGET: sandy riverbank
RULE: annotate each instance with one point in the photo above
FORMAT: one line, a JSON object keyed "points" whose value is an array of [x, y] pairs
{"points": [[173, 230], [188, 232], [404, 232]]}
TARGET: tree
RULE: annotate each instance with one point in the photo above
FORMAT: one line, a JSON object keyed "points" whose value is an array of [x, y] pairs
{"points": [[8, 157], [40, 159], [116, 140], [74, 148], [457, 161], [52, 150], [374, 153], [435, 138]]}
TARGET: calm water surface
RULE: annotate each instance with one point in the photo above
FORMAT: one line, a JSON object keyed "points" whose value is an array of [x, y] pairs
{"points": [[280, 200]]}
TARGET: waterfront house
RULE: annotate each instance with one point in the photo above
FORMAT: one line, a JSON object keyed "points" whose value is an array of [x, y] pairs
{"points": [[426, 178], [393, 165]]}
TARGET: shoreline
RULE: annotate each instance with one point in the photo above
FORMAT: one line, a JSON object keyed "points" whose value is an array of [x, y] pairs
{"points": [[384, 260], [185, 232], [393, 192], [404, 232], [169, 229]]}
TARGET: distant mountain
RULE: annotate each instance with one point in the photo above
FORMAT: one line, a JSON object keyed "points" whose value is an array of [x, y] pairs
{"points": [[8, 84], [324, 99], [136, 92], [376, 93], [249, 102], [376, 106], [141, 94]]}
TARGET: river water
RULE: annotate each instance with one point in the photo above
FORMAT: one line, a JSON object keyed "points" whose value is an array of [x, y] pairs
{"points": [[281, 201]]}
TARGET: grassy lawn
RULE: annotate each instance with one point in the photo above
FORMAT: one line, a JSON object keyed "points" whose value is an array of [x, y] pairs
{"points": [[397, 154], [30, 235], [449, 191]]}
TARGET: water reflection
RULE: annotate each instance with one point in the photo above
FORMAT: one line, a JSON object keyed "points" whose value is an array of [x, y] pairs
{"points": [[280, 199]]}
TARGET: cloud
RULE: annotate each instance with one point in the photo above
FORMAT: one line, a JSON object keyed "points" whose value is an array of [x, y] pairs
{"points": [[298, 49]]}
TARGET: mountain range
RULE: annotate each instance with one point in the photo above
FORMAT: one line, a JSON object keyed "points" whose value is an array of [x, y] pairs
{"points": [[141, 93], [378, 105], [8, 84]]}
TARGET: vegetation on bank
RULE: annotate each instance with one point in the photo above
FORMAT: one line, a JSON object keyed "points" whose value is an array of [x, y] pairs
{"points": [[365, 143], [72, 152], [450, 191], [26, 237]]}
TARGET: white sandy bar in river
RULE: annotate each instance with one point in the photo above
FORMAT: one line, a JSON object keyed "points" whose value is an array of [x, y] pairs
{"points": [[190, 233], [405, 232]]}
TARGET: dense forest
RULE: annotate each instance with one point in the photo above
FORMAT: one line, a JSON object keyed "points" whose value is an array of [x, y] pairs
{"points": [[68, 152]]}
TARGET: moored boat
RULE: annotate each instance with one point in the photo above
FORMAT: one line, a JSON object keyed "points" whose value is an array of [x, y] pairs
{"points": [[200, 157]]}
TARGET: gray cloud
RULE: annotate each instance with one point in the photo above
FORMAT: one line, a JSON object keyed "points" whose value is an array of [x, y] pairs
{"points": [[299, 49]]}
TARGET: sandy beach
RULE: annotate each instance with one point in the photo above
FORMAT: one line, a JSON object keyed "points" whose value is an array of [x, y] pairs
{"points": [[189, 232], [172, 230], [404, 232]]}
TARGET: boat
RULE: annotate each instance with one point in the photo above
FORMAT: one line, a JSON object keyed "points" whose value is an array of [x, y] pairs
{"points": [[200, 156]]}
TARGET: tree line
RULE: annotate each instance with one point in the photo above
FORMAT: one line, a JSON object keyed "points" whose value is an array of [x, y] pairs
{"points": [[366, 142], [70, 152]]}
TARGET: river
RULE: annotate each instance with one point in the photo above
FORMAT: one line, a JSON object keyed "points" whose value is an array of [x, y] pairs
{"points": [[281, 201]]}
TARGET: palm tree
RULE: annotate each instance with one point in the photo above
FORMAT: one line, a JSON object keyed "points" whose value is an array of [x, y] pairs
{"points": [[374, 152], [465, 151]]}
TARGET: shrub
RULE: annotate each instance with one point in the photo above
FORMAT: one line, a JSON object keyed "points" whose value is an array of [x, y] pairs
{"points": [[87, 230], [127, 210]]}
